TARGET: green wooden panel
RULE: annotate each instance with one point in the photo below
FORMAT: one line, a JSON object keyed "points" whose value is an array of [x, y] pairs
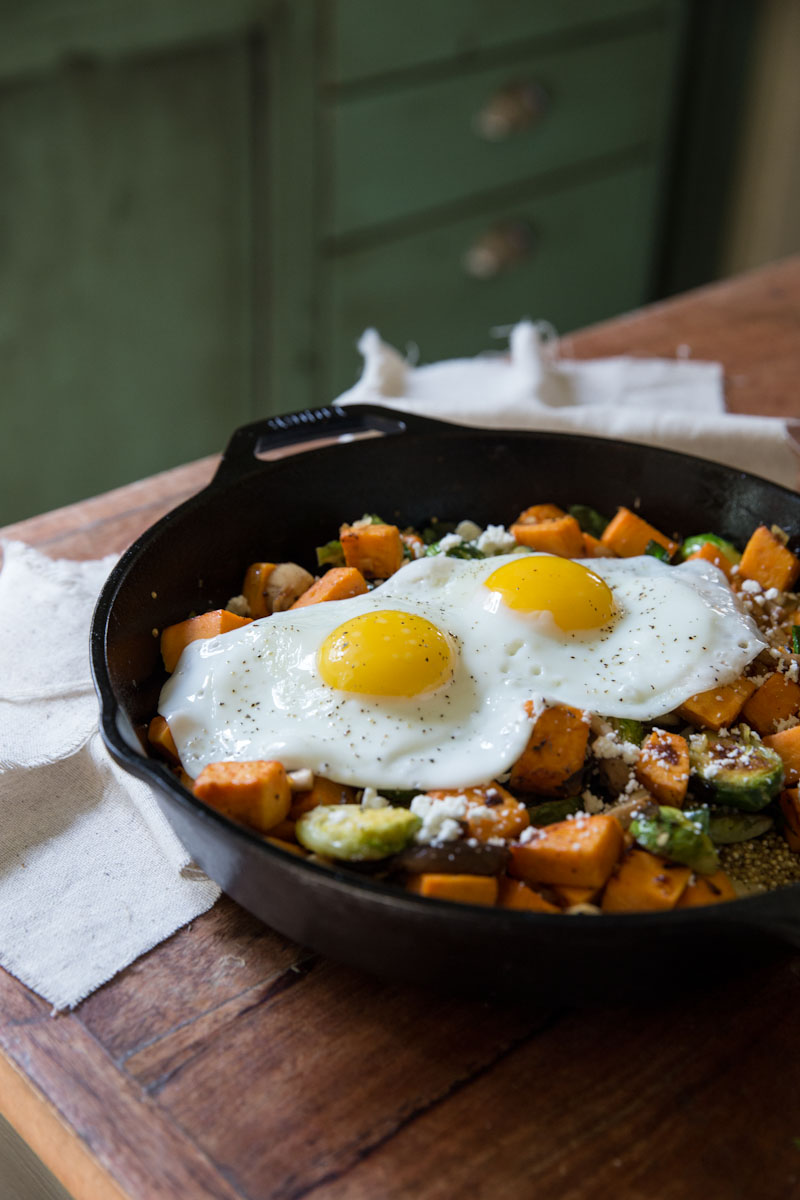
{"points": [[368, 39], [409, 150], [592, 260], [124, 313], [38, 34]]}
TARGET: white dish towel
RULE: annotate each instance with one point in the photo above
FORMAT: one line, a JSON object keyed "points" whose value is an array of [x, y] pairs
{"points": [[91, 874], [676, 403]]}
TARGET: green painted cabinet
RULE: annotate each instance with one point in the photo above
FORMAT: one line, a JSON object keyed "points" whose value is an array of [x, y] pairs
{"points": [[202, 205]]}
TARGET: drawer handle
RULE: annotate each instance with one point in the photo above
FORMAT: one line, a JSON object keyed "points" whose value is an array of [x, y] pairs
{"points": [[505, 245], [513, 109]]}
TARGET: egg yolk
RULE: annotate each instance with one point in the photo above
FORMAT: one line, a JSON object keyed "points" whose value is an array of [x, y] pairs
{"points": [[386, 653], [576, 597]]}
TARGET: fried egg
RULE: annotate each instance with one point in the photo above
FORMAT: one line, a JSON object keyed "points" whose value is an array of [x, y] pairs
{"points": [[424, 681]]}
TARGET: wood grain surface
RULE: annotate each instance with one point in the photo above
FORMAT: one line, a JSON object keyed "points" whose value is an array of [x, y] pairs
{"points": [[230, 1064]]}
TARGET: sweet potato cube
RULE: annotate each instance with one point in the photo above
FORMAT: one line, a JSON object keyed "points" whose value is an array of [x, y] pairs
{"points": [[789, 802], [553, 535], [627, 535], [569, 895], [491, 811], [375, 550], [708, 552], [466, 889], [514, 893], [663, 767], [555, 752], [777, 699], [581, 852], [254, 589], [707, 889], [787, 745], [594, 548], [719, 707], [256, 793], [539, 512], [644, 882], [175, 638], [322, 791], [159, 735], [289, 847], [339, 583], [768, 561], [284, 830]]}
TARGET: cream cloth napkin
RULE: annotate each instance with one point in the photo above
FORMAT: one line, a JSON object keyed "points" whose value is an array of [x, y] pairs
{"points": [[675, 403], [91, 874]]}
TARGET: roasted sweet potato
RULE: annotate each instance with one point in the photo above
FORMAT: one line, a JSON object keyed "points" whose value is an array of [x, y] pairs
{"points": [[789, 801], [708, 552], [663, 767], [175, 638], [568, 895], [774, 701], [375, 550], [706, 889], [644, 882], [491, 811], [514, 893], [719, 707], [628, 535], [594, 548], [540, 512], [159, 735], [580, 852], [254, 589], [466, 889], [337, 584], [322, 791], [551, 535], [767, 560], [554, 756], [787, 745], [256, 793]]}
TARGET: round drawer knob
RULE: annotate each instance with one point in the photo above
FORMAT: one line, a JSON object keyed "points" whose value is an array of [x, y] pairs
{"points": [[513, 109], [500, 248]]}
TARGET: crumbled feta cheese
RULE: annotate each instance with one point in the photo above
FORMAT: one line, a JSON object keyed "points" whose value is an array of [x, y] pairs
{"points": [[495, 539], [528, 835], [591, 803], [772, 593], [371, 799], [440, 817], [449, 542], [608, 745], [751, 586]]}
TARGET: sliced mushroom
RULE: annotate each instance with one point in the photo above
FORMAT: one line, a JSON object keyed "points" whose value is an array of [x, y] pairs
{"points": [[285, 585], [452, 858]]}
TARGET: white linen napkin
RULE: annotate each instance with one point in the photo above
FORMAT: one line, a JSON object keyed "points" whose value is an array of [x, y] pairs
{"points": [[675, 403], [91, 874]]}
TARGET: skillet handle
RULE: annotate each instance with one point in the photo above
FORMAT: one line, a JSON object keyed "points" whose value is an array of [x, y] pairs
{"points": [[268, 438]]}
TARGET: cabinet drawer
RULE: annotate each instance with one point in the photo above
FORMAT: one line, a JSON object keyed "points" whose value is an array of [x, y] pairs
{"points": [[590, 259], [409, 151], [365, 42]]}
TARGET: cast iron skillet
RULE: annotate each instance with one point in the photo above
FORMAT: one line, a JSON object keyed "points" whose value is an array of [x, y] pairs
{"points": [[194, 559]]}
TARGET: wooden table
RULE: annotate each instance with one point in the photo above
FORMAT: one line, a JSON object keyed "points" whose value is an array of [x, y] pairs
{"points": [[229, 1063]]}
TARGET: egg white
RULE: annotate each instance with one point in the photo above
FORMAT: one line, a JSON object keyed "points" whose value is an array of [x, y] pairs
{"points": [[255, 693]]}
